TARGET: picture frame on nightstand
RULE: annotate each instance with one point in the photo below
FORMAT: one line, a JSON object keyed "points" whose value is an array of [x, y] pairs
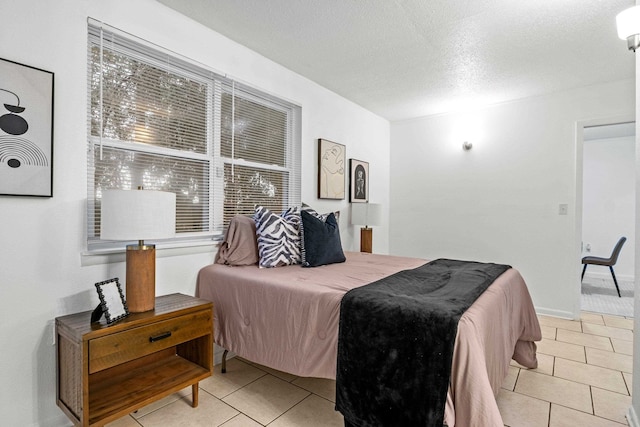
{"points": [[112, 302]]}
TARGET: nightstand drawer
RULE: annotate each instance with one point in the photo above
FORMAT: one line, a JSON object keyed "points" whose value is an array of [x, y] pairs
{"points": [[112, 350]]}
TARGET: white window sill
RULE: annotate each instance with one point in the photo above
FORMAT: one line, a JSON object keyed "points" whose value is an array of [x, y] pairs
{"points": [[110, 256]]}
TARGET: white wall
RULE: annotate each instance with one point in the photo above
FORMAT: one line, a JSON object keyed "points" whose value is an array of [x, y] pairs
{"points": [[608, 202], [499, 202], [42, 271]]}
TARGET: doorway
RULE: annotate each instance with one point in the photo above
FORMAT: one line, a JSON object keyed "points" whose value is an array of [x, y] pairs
{"points": [[608, 213]]}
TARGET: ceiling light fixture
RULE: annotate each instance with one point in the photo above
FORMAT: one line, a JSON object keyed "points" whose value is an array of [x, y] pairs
{"points": [[628, 22], [466, 146]]}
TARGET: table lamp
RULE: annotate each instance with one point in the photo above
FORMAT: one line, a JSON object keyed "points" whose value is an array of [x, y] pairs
{"points": [[138, 215], [365, 214]]}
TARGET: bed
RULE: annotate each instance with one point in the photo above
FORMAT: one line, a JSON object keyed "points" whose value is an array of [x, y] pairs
{"points": [[287, 318]]}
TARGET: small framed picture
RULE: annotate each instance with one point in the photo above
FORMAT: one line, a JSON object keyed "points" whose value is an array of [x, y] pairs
{"points": [[331, 170], [112, 302], [359, 181]]}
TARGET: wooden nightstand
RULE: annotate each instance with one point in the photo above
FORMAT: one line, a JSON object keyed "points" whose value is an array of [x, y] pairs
{"points": [[105, 372]]}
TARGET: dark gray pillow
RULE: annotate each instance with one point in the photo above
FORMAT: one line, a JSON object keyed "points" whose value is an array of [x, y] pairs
{"points": [[321, 240]]}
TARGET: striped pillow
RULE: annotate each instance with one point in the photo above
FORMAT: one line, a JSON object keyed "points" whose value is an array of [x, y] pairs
{"points": [[306, 208], [278, 237]]}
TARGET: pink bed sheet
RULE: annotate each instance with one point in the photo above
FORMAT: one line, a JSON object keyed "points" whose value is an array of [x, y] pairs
{"points": [[287, 318]]}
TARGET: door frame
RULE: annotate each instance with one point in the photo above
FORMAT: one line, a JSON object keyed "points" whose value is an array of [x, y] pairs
{"points": [[579, 166]]}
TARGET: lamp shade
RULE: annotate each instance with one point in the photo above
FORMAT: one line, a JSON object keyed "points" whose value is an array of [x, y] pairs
{"points": [[137, 215], [628, 22], [366, 213]]}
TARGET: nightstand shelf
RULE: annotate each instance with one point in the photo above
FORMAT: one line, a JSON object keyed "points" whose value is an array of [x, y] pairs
{"points": [[106, 372]]}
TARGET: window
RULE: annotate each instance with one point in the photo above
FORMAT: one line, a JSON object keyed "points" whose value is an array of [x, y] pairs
{"points": [[161, 122]]}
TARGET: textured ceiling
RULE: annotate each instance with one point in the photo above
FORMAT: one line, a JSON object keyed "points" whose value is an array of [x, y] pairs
{"points": [[408, 58]]}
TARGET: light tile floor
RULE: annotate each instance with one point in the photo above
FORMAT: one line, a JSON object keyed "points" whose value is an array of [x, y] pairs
{"points": [[599, 295], [583, 379]]}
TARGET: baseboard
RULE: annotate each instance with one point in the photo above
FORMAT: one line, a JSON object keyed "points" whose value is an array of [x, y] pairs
{"points": [[555, 313], [59, 421], [606, 275], [632, 417]]}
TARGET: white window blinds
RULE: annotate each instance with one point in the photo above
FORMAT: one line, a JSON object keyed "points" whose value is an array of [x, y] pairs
{"points": [[161, 122]]}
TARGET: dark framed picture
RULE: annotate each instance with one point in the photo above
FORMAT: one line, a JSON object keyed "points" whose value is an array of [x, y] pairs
{"points": [[331, 170], [114, 306], [359, 181], [26, 130]]}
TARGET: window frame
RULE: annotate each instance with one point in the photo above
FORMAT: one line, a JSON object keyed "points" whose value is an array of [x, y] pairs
{"points": [[216, 84]]}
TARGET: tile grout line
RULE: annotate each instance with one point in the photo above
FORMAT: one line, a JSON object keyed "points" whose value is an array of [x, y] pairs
{"points": [[515, 383]]}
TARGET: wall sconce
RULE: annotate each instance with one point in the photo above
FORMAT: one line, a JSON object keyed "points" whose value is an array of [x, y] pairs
{"points": [[628, 22], [466, 146]]}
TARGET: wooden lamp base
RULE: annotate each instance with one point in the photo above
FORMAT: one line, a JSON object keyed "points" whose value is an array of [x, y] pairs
{"points": [[141, 278], [366, 239]]}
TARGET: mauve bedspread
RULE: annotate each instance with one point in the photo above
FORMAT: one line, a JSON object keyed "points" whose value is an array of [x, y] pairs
{"points": [[287, 318]]}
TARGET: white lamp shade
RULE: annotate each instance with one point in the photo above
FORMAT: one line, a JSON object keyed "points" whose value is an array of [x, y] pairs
{"points": [[628, 22], [137, 215], [366, 214]]}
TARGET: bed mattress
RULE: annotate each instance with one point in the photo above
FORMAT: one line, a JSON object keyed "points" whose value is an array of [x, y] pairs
{"points": [[287, 318]]}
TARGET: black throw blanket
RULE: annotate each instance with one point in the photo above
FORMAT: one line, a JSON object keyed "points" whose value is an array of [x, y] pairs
{"points": [[395, 342]]}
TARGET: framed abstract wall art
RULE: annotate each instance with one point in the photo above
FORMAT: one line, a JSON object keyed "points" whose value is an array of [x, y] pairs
{"points": [[26, 130], [359, 181], [331, 170]]}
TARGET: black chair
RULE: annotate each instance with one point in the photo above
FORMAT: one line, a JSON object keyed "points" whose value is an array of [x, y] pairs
{"points": [[609, 262]]}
